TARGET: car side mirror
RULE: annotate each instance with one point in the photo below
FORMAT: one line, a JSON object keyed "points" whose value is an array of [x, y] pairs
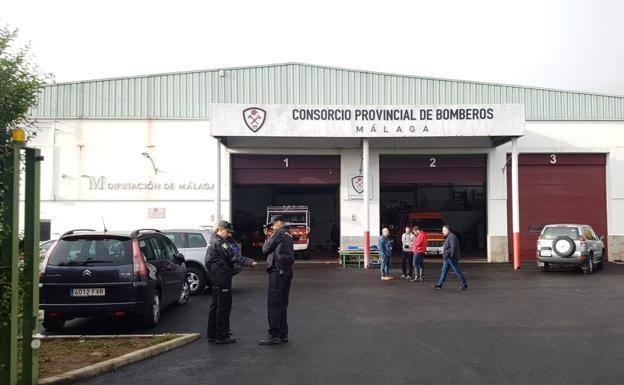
{"points": [[179, 258], [602, 238]]}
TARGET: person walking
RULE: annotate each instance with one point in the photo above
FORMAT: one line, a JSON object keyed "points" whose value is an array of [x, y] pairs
{"points": [[221, 260], [280, 259], [406, 257], [419, 250], [385, 253], [450, 255]]}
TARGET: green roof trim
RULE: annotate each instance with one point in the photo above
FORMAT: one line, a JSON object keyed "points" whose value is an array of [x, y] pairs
{"points": [[187, 95]]}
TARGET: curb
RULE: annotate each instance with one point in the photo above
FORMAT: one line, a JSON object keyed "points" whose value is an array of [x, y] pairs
{"points": [[118, 362]]}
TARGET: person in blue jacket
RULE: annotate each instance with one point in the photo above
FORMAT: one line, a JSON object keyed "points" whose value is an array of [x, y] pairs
{"points": [[450, 255], [385, 252]]}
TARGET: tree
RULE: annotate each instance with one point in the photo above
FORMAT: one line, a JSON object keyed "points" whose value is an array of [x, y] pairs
{"points": [[20, 85]]}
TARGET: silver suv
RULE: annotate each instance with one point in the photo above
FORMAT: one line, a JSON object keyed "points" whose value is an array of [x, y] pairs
{"points": [[571, 245], [193, 243]]}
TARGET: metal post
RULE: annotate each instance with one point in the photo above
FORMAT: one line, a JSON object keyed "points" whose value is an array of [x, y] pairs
{"points": [[8, 267], [515, 214], [366, 192], [30, 364], [218, 187]]}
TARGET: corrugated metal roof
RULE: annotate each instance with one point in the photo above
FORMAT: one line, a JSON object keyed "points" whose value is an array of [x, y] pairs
{"points": [[187, 95]]}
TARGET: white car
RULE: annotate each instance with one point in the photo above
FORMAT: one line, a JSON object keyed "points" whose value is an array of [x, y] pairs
{"points": [[571, 245], [193, 243]]}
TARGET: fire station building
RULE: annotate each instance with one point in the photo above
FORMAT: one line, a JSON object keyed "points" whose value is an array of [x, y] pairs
{"points": [[361, 149]]}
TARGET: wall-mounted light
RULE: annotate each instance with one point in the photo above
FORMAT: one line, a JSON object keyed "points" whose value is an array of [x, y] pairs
{"points": [[148, 156]]}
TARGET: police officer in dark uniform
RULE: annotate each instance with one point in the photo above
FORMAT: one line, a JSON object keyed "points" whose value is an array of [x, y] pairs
{"points": [[280, 258], [221, 260]]}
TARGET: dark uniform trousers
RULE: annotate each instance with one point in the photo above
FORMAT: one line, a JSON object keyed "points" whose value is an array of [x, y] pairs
{"points": [[220, 308], [279, 288]]}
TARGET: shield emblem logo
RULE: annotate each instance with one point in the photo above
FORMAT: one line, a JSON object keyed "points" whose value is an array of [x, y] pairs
{"points": [[254, 118], [358, 183]]}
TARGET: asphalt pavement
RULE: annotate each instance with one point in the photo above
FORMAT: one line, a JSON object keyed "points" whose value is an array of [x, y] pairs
{"points": [[348, 327]]}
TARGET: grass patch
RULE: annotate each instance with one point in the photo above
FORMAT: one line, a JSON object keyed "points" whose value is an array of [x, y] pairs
{"points": [[57, 356]]}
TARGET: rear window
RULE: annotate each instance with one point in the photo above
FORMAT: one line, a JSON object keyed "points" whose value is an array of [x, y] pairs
{"points": [[92, 251], [554, 232], [177, 239]]}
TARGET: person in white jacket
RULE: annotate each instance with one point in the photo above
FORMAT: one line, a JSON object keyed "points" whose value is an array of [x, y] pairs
{"points": [[406, 259]]}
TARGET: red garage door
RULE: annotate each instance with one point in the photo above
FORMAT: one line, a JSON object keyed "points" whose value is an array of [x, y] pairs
{"points": [[400, 169], [558, 188], [286, 169]]}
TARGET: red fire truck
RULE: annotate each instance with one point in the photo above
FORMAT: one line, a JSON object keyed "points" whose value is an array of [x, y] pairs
{"points": [[430, 221], [298, 221]]}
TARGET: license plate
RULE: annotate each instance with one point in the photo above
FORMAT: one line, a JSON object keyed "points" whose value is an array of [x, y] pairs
{"points": [[91, 292], [546, 253]]}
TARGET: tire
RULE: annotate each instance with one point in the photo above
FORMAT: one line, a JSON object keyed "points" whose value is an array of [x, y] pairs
{"points": [[152, 318], [564, 246], [602, 259], [545, 268], [589, 269], [52, 324], [197, 280], [185, 294]]}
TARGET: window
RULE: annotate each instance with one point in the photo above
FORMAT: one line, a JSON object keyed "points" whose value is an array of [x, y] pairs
{"points": [[158, 249], [177, 239], [554, 232], [196, 240], [588, 234], [146, 250], [169, 250], [92, 250]]}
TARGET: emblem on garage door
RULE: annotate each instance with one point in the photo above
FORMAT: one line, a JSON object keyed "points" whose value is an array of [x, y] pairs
{"points": [[358, 183], [254, 118]]}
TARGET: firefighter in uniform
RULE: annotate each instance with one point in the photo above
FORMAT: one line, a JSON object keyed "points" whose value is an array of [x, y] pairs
{"points": [[280, 258], [221, 260]]}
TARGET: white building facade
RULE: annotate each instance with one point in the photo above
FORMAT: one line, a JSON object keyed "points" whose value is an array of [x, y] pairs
{"points": [[182, 150]]}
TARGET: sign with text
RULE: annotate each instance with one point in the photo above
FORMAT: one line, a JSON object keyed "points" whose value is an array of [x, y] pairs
{"points": [[366, 121]]}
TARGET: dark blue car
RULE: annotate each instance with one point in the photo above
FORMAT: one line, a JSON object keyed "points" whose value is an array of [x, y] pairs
{"points": [[120, 274]]}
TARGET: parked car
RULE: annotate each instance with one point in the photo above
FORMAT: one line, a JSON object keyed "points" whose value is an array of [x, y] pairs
{"points": [[570, 245], [88, 273], [193, 243], [44, 246]]}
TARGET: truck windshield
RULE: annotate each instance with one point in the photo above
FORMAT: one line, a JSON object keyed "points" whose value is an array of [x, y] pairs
{"points": [[291, 217], [554, 232], [428, 224]]}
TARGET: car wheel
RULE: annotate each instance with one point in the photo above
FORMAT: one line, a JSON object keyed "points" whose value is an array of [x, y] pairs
{"points": [[589, 269], [564, 246], [185, 293], [153, 314], [197, 280], [602, 259], [52, 324]]}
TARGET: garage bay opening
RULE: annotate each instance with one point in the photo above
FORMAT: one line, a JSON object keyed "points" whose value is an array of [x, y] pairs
{"points": [[432, 190], [304, 188]]}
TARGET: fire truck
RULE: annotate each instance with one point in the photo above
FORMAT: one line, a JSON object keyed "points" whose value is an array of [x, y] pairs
{"points": [[431, 222], [298, 221]]}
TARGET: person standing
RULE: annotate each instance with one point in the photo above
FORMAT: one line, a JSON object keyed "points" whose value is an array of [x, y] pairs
{"points": [[407, 239], [385, 253], [280, 259], [450, 255], [221, 260], [419, 249]]}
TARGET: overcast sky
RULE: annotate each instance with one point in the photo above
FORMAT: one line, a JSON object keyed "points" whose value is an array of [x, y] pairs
{"points": [[572, 44]]}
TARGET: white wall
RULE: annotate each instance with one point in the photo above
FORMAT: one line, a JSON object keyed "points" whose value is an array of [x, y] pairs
{"points": [[76, 150]]}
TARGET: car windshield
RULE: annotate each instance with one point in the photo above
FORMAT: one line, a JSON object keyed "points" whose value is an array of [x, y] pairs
{"points": [[291, 217], [554, 232], [92, 250], [428, 224]]}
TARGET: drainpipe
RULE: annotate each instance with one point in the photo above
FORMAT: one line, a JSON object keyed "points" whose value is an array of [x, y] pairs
{"points": [[515, 211], [365, 176], [218, 182]]}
